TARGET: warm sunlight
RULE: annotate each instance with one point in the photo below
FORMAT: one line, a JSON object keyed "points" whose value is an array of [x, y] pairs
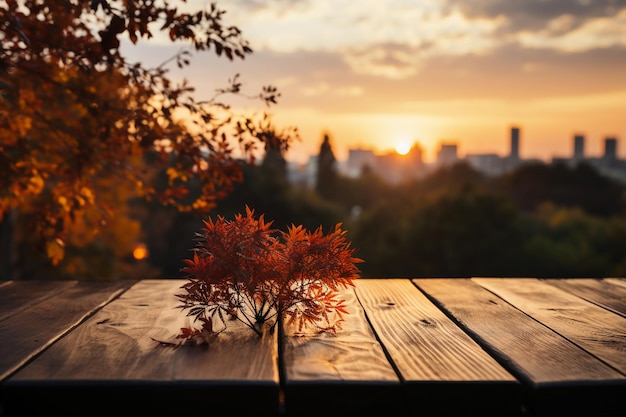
{"points": [[403, 148]]}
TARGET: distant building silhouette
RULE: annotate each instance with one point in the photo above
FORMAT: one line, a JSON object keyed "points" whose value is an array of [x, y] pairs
{"points": [[578, 154], [390, 166], [610, 149], [514, 143], [608, 164], [358, 159], [447, 154], [394, 168], [303, 175], [489, 164], [579, 147], [494, 165]]}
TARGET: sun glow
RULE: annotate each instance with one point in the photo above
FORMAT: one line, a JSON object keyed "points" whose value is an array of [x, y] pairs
{"points": [[403, 148]]}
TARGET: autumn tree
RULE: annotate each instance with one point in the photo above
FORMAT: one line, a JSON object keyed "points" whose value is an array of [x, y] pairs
{"points": [[74, 109], [244, 269]]}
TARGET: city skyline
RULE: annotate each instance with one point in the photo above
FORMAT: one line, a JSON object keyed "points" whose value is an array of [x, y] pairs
{"points": [[597, 148], [397, 166]]}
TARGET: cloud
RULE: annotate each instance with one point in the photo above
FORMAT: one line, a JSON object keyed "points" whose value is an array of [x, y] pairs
{"points": [[394, 61], [395, 39], [326, 90], [563, 25], [383, 39], [510, 74], [280, 7], [594, 33], [535, 14], [331, 55]]}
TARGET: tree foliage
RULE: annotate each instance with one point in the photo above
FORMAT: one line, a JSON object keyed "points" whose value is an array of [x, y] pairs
{"points": [[74, 109], [542, 221], [466, 232], [90, 249], [533, 185], [244, 269]]}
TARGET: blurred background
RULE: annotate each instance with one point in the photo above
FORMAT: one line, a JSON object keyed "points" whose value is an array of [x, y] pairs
{"points": [[450, 139]]}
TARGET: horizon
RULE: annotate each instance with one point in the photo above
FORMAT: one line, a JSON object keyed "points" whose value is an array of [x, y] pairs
{"points": [[566, 153], [384, 73]]}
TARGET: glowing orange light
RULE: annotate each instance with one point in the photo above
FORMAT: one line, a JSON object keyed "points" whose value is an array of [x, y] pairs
{"points": [[140, 252]]}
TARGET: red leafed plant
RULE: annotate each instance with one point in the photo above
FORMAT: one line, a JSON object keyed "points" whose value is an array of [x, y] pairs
{"points": [[243, 269]]}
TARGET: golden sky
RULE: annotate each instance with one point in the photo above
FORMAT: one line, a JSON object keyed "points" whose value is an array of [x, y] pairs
{"points": [[373, 73]]}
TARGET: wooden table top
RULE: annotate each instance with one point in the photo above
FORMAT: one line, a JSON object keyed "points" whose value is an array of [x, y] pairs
{"points": [[427, 347]]}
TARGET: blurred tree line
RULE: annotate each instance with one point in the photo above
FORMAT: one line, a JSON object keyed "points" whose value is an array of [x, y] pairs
{"points": [[540, 220]]}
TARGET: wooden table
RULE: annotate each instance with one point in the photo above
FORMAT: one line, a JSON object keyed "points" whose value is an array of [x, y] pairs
{"points": [[415, 347]]}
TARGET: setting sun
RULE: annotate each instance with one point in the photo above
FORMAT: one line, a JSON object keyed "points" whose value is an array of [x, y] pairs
{"points": [[403, 148]]}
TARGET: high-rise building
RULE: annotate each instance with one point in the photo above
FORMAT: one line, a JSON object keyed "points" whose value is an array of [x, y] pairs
{"points": [[358, 159], [514, 143], [610, 148], [579, 147], [447, 154]]}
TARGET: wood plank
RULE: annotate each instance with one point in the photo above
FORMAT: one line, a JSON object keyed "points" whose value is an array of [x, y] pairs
{"points": [[598, 331], [435, 358], [597, 291], [616, 281], [112, 356], [17, 296], [560, 378], [343, 374], [55, 308]]}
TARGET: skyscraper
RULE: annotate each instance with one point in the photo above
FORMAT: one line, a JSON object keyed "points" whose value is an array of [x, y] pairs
{"points": [[447, 154], [579, 147], [610, 148], [514, 143]]}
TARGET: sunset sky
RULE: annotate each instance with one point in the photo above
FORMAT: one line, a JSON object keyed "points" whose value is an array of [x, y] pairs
{"points": [[374, 73]]}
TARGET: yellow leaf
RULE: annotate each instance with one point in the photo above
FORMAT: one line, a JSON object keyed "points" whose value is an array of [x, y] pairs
{"points": [[55, 249], [172, 174], [35, 183], [88, 194], [63, 202]]}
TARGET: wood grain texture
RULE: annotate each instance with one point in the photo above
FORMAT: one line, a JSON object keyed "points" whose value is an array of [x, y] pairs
{"points": [[17, 296], [113, 353], [44, 311], [434, 356], [343, 374], [408, 347], [597, 291], [598, 331], [422, 342], [616, 281], [560, 378]]}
